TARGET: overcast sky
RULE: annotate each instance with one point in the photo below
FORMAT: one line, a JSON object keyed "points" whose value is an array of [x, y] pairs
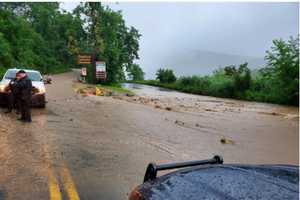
{"points": [[173, 30]]}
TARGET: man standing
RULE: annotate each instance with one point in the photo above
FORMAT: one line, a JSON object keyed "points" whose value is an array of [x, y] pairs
{"points": [[24, 86], [13, 96]]}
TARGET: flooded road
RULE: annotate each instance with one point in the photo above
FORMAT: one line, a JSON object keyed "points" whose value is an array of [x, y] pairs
{"points": [[91, 147], [198, 102], [263, 133]]}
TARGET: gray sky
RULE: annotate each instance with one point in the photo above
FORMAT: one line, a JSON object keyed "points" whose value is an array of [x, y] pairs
{"points": [[198, 37]]}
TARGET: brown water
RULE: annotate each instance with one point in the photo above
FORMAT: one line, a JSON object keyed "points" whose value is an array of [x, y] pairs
{"points": [[263, 133]]}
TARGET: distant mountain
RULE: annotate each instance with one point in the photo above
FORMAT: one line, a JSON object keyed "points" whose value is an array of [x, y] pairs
{"points": [[199, 62]]}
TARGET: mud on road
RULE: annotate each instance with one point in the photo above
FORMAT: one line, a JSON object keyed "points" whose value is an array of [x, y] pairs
{"points": [[91, 147]]}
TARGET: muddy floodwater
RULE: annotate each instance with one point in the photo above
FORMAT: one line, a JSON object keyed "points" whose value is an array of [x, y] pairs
{"points": [[260, 131], [95, 147]]}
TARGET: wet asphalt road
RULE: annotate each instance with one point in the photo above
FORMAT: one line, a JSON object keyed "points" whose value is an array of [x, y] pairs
{"points": [[98, 147]]}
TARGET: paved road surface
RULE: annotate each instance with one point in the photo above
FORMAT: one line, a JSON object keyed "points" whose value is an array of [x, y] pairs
{"points": [[92, 148]]}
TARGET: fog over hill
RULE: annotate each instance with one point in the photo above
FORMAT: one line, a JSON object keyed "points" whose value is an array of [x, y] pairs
{"points": [[200, 62]]}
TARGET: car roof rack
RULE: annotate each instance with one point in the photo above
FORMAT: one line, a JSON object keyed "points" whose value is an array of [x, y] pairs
{"points": [[152, 169]]}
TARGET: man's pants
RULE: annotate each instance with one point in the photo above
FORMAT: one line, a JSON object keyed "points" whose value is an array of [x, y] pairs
{"points": [[13, 102], [25, 110]]}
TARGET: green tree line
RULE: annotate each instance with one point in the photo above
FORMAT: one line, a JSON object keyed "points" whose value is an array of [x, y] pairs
{"points": [[278, 82], [42, 36]]}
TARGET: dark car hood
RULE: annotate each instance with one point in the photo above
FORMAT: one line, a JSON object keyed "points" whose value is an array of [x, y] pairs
{"points": [[225, 182]]}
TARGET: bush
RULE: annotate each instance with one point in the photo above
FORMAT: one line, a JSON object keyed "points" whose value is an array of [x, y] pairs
{"points": [[165, 76], [221, 86], [194, 84]]}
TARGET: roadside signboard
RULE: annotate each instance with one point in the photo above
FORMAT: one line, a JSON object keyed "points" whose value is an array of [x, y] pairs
{"points": [[100, 70], [84, 59], [100, 66]]}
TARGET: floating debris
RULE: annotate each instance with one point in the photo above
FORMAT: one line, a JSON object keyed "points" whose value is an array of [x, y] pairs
{"points": [[271, 113], [210, 110], [3, 130], [292, 116], [181, 123], [226, 141], [168, 108]]}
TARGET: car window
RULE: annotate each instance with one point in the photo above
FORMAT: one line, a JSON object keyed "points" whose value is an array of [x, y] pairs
{"points": [[10, 74], [33, 76]]}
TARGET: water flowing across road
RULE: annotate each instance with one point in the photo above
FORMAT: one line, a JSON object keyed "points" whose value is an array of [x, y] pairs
{"points": [[94, 147]]}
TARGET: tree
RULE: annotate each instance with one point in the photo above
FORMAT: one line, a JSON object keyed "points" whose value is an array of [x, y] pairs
{"points": [[242, 78], [165, 76], [230, 70], [135, 72], [41, 36], [109, 37], [283, 69]]}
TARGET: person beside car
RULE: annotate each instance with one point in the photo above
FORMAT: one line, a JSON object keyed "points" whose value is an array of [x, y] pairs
{"points": [[13, 96], [24, 86]]}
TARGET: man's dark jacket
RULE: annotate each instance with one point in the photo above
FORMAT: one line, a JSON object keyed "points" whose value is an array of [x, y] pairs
{"points": [[13, 87], [24, 86]]}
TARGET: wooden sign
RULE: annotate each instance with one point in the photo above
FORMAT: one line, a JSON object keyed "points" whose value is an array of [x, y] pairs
{"points": [[84, 59]]}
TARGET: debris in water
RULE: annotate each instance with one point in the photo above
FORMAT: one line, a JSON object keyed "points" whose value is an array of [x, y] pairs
{"points": [[118, 97], [270, 113], [179, 123], [226, 141], [129, 94], [291, 116], [168, 108], [210, 110], [3, 130]]}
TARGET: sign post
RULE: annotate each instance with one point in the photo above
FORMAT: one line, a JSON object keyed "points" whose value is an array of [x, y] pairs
{"points": [[98, 67], [84, 60], [101, 71]]}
